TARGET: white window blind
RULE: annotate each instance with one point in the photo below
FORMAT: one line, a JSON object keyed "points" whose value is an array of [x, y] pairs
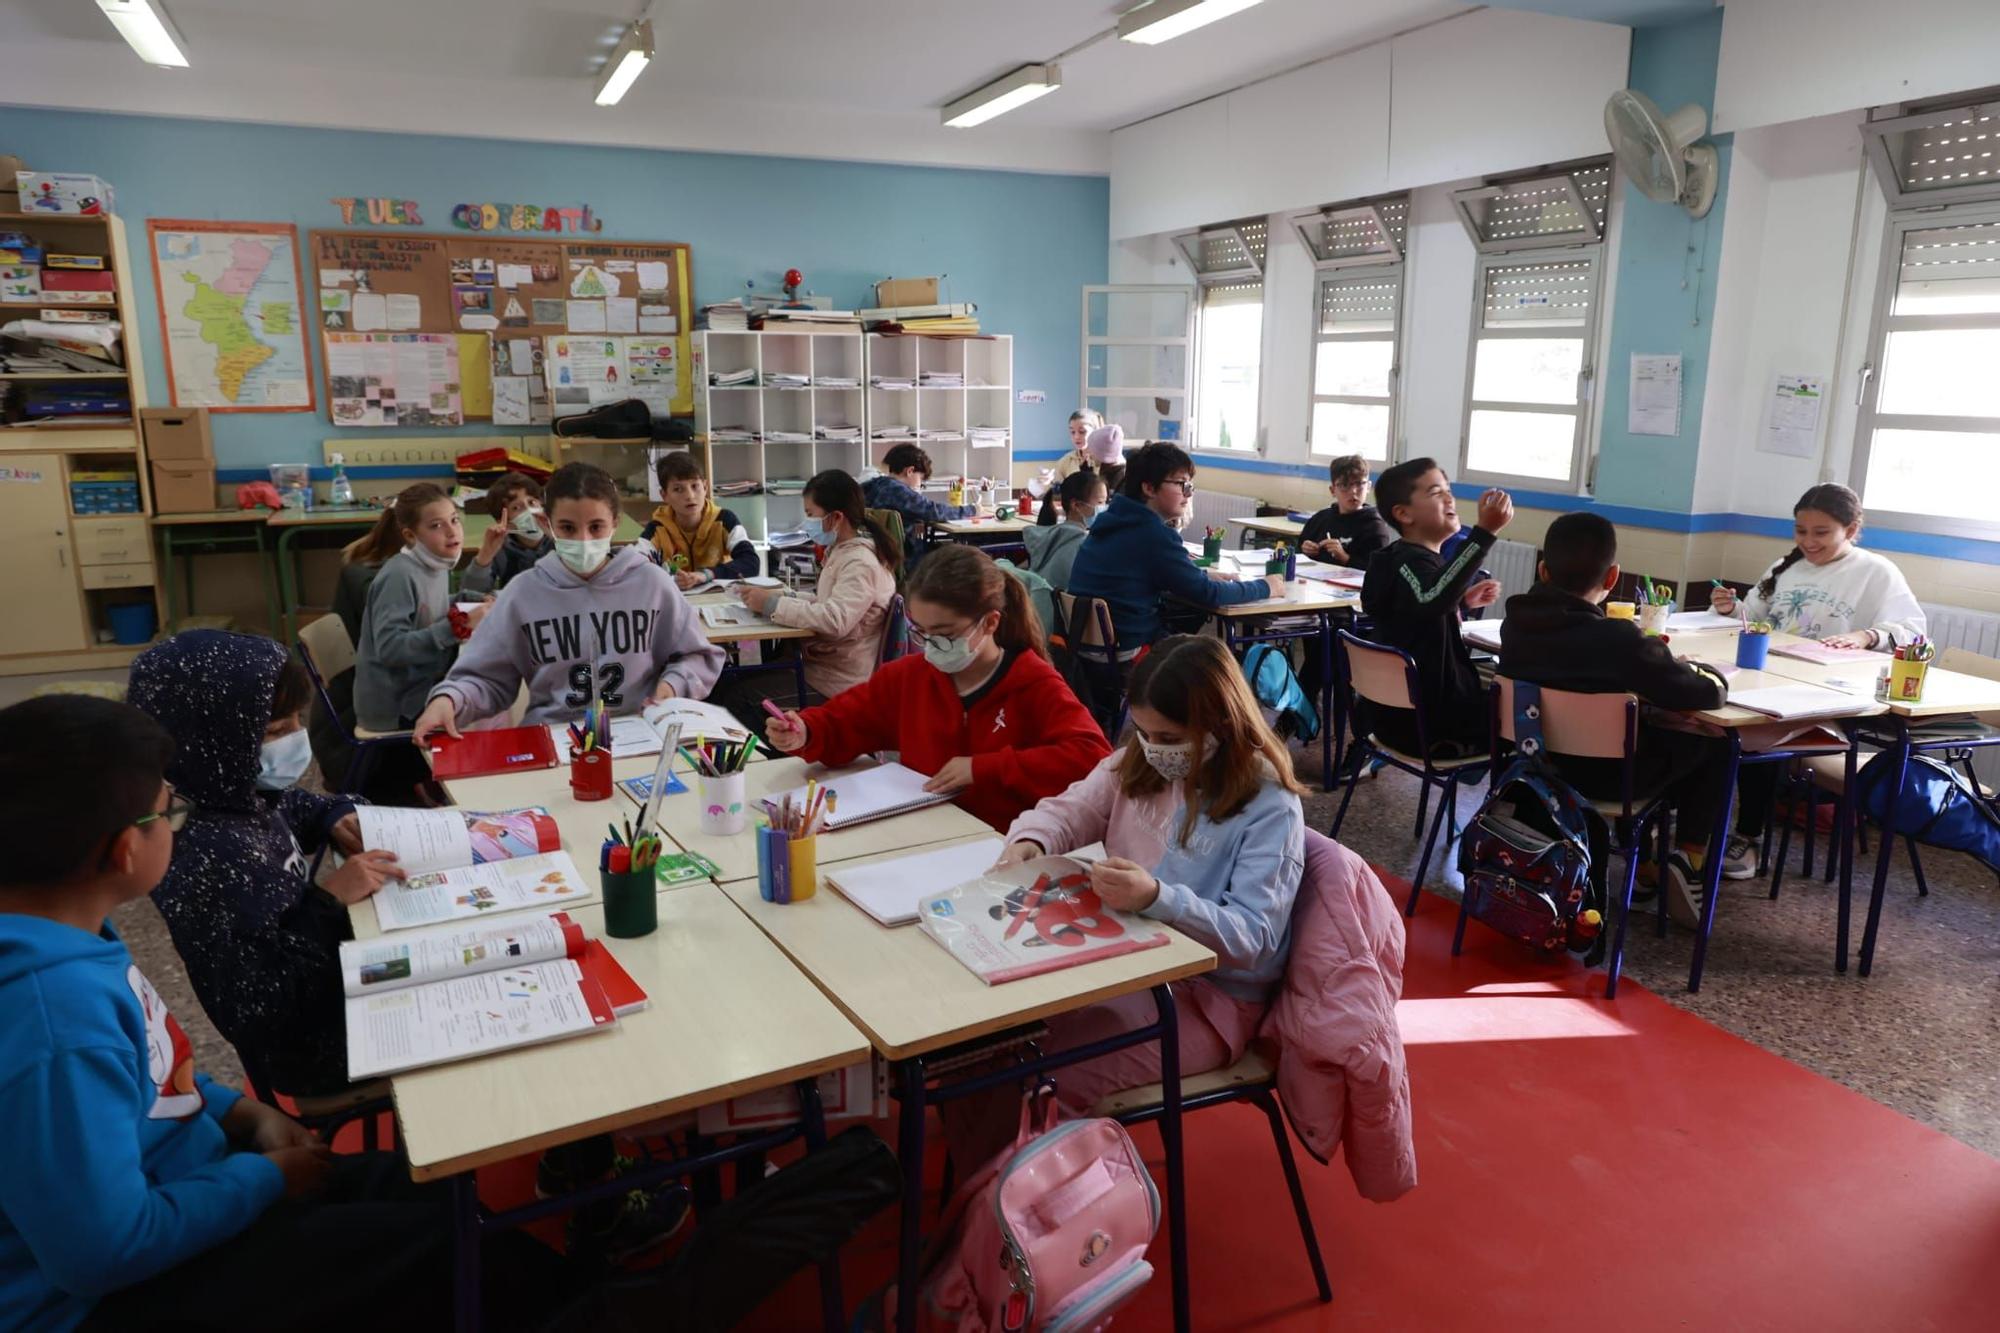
{"points": [[1562, 207], [1528, 390], [1948, 154], [1227, 252], [1355, 361], [1374, 232], [1929, 450]]}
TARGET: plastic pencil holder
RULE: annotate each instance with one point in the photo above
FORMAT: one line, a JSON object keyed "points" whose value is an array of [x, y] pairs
{"points": [[1211, 549], [590, 774], [631, 903], [787, 867], [1752, 651], [723, 812], [1653, 618], [1906, 681], [1621, 611]]}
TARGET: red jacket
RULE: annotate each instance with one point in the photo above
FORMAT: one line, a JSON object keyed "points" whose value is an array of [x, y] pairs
{"points": [[1027, 734]]}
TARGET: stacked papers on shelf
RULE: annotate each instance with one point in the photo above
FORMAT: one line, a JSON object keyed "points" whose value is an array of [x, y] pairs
{"points": [[736, 488], [785, 379], [894, 432], [841, 433], [836, 381], [733, 378], [731, 434], [892, 382], [941, 379], [788, 437], [988, 437], [727, 316], [790, 537]]}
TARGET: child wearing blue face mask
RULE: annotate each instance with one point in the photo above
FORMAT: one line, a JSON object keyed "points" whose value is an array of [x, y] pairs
{"points": [[1052, 550], [260, 941], [977, 709]]}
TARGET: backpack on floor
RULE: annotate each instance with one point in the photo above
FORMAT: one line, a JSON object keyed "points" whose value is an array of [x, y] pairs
{"points": [[1533, 857], [1937, 807], [1052, 1233], [1287, 707]]}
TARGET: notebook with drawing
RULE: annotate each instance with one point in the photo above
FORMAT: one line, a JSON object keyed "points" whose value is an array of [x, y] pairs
{"points": [[863, 794], [890, 890], [1032, 918]]}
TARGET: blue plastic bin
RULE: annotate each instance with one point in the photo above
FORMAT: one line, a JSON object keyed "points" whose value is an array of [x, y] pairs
{"points": [[133, 623]]}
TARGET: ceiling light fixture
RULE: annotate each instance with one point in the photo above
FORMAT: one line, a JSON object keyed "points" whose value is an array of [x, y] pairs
{"points": [[1163, 20], [1002, 95], [146, 29], [627, 62]]}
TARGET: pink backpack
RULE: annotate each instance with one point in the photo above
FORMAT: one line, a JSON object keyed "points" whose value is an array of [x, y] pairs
{"points": [[1054, 1230]]}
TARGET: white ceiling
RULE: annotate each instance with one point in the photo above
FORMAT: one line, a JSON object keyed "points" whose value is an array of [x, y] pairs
{"points": [[858, 79]]}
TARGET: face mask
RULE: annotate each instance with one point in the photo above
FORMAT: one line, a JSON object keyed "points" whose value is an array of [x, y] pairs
{"points": [[1091, 517], [1172, 762], [282, 762], [583, 555], [953, 656], [527, 526], [827, 533]]}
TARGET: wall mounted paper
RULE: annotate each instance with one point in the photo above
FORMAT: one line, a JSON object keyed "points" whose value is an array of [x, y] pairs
{"points": [[1654, 405], [1793, 424], [621, 314], [586, 317]]}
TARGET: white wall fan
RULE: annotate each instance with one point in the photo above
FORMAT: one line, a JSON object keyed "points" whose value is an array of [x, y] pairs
{"points": [[1659, 153]]}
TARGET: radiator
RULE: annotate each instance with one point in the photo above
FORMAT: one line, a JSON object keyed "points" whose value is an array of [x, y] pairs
{"points": [[1513, 563], [1211, 507], [1974, 631]]}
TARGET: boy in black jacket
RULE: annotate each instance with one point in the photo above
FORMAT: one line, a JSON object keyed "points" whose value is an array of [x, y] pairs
{"points": [[1557, 635], [1347, 532], [1413, 594]]}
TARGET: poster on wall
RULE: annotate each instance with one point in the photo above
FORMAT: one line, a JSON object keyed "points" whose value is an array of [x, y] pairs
{"points": [[393, 379], [585, 370], [520, 384], [232, 314]]}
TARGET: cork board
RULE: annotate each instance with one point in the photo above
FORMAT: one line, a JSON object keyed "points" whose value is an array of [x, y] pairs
{"points": [[374, 281], [517, 279]]}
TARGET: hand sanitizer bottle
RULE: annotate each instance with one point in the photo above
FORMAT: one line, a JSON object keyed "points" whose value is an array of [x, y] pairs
{"points": [[341, 491]]}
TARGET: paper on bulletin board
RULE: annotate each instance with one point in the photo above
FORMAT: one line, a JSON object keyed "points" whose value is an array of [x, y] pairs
{"points": [[394, 379], [475, 368], [520, 393], [585, 370], [652, 369], [1793, 425], [1654, 405]]}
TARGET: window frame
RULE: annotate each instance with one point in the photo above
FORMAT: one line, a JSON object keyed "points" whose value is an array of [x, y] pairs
{"points": [[1192, 438], [1337, 274], [1593, 232], [1868, 416], [1876, 138], [1586, 378], [1185, 394]]}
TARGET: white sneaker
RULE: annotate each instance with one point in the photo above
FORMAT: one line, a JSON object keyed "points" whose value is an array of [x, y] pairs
{"points": [[1684, 892], [1740, 859]]}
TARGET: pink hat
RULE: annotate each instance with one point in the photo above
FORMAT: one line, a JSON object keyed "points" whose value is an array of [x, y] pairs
{"points": [[1106, 444]]}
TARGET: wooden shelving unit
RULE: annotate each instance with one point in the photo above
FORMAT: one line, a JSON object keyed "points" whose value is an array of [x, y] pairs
{"points": [[67, 570]]}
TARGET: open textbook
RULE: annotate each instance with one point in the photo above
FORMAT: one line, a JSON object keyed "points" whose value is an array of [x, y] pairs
{"points": [[446, 995], [1032, 918], [633, 736], [430, 840], [428, 898]]}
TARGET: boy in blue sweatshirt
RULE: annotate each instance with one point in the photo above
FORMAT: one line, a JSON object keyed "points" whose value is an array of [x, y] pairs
{"points": [[905, 469], [134, 1192]]}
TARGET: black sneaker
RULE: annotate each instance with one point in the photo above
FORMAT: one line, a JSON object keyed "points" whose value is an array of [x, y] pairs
{"points": [[618, 1231], [1686, 893]]}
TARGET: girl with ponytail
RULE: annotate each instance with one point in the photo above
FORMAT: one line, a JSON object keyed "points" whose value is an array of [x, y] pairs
{"points": [[1828, 588], [977, 708]]}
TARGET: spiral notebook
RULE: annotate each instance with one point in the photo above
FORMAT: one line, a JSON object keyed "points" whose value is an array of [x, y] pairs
{"points": [[863, 794]]}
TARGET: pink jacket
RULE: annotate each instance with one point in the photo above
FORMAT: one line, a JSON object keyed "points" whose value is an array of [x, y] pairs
{"points": [[1341, 1071], [845, 616]]}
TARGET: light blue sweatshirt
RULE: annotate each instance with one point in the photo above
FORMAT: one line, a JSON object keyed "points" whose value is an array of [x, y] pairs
{"points": [[1231, 885], [114, 1166]]}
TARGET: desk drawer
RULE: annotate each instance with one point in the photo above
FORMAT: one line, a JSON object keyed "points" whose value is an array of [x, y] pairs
{"points": [[111, 541], [117, 576]]}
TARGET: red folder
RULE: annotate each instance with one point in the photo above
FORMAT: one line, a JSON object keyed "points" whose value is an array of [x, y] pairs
{"points": [[481, 753]]}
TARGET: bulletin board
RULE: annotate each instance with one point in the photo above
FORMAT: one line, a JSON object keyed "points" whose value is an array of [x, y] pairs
{"points": [[509, 300]]}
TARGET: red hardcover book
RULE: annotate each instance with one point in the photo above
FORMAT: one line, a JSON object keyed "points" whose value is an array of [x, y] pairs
{"points": [[481, 753]]}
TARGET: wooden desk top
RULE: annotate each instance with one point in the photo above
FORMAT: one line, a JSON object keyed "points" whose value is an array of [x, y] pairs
{"points": [[729, 1015], [1300, 595], [210, 516], [763, 632], [1274, 526], [582, 822], [1853, 680], [735, 857], [972, 527], [910, 996], [326, 516]]}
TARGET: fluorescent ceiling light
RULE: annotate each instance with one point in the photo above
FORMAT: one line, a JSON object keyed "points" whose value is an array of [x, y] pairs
{"points": [[628, 61], [146, 28], [1164, 20], [1002, 95]]}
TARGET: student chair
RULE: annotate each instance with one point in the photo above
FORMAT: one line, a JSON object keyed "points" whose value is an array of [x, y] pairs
{"points": [[327, 652], [1387, 677], [1592, 726], [893, 637], [1090, 638], [1252, 1079], [328, 1113]]}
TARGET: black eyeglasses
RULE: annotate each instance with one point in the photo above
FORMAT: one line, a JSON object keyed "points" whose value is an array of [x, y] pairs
{"points": [[1187, 487], [923, 639], [176, 814]]}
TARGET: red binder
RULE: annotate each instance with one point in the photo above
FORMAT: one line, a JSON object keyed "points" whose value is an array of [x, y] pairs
{"points": [[482, 753]]}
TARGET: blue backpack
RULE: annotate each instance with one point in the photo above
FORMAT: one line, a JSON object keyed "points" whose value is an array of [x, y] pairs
{"points": [[1287, 706], [1533, 857], [1937, 807]]}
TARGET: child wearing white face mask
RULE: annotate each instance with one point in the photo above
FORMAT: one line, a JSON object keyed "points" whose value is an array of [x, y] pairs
{"points": [[261, 943], [1052, 549], [1200, 814], [978, 709], [408, 639]]}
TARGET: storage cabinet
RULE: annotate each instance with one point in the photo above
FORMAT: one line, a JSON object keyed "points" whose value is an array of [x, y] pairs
{"points": [[39, 611]]}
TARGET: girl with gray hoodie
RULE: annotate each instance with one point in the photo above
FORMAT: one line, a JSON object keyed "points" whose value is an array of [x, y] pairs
{"points": [[408, 640]]}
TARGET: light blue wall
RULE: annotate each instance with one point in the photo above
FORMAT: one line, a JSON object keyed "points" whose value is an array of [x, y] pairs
{"points": [[1018, 244], [1664, 296]]}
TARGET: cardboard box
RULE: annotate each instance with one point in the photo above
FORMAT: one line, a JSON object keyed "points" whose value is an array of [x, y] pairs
{"points": [[78, 280], [177, 435], [62, 192], [183, 488], [20, 283], [906, 291], [92, 262]]}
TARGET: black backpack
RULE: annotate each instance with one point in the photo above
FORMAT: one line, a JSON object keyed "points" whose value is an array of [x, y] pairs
{"points": [[1936, 807], [626, 419]]}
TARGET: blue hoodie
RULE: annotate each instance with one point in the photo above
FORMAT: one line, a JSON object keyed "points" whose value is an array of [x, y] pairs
{"points": [[1130, 557], [114, 1166], [261, 943]]}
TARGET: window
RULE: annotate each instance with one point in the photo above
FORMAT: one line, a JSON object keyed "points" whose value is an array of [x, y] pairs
{"points": [[1356, 325], [1534, 330], [1939, 154], [1135, 357], [1229, 354], [1929, 449]]}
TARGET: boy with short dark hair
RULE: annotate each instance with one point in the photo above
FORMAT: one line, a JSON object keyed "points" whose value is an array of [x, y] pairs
{"points": [[1557, 635], [1413, 595], [900, 486], [517, 538], [696, 540], [134, 1192], [1347, 532]]}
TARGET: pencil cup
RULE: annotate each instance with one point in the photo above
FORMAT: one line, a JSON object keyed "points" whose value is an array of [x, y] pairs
{"points": [[1906, 681], [590, 774], [1653, 618], [804, 879], [722, 808], [631, 903], [1752, 651], [1211, 549], [1621, 611], [787, 867]]}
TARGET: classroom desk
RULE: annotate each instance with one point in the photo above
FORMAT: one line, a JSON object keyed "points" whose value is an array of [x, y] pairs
{"points": [[582, 822], [958, 529], [735, 856], [475, 526], [1283, 529], [764, 631], [912, 999], [287, 524], [205, 532]]}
